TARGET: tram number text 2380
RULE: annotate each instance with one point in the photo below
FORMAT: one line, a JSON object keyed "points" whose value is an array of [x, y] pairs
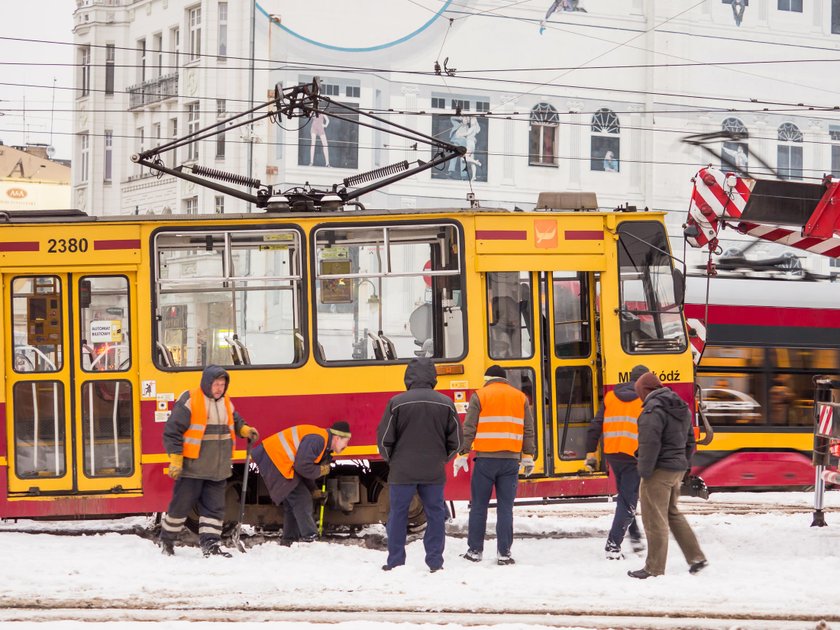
{"points": [[64, 245]]}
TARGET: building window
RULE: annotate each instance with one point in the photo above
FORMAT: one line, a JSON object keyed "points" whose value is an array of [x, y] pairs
{"points": [[735, 153], [141, 141], [141, 60], [174, 48], [542, 139], [352, 91], [221, 108], [834, 134], [195, 32], [789, 152], [220, 204], [606, 143], [173, 134], [463, 105], [191, 205], [84, 163], [192, 127], [109, 146], [220, 145], [438, 103], [157, 42], [223, 17], [790, 5], [84, 69], [482, 106], [110, 60], [156, 134], [835, 16]]}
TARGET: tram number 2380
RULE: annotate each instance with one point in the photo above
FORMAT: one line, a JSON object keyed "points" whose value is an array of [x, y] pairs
{"points": [[64, 245]]}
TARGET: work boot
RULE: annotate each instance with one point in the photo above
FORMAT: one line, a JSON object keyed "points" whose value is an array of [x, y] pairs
{"points": [[472, 555], [215, 549], [504, 559], [613, 551], [698, 566], [641, 574], [637, 545], [167, 547]]}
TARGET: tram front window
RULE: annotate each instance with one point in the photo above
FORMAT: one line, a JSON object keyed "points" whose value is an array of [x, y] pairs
{"points": [[229, 297], [388, 292], [650, 313]]}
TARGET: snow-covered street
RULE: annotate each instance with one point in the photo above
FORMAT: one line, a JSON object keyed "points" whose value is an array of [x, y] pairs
{"points": [[764, 564]]}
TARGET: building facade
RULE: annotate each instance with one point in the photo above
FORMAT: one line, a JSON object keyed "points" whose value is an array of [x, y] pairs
{"points": [[31, 180], [566, 95]]}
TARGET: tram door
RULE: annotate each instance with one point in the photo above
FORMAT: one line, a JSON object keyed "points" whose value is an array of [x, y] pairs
{"points": [[570, 354], [72, 409]]}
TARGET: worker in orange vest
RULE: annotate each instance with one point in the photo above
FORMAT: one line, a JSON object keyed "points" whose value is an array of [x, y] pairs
{"points": [[289, 462], [617, 422], [199, 438], [499, 427]]}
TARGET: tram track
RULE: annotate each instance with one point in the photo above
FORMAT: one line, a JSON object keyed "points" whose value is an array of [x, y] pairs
{"points": [[105, 611]]}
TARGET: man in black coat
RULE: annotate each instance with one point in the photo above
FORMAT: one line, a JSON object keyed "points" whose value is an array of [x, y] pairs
{"points": [[666, 444], [418, 434]]}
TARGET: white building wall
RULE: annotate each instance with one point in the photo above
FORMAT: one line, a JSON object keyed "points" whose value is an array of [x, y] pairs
{"points": [[663, 67]]}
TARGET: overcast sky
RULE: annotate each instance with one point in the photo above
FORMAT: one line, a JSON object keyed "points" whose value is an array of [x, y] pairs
{"points": [[45, 21]]}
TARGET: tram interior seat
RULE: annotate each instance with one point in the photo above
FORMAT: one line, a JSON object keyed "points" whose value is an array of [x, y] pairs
{"points": [[420, 325], [388, 347], [88, 354], [378, 346], [164, 355], [238, 350], [506, 313]]}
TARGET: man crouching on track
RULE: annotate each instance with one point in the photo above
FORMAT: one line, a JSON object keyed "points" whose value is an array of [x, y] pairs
{"points": [[290, 461], [199, 438], [419, 432]]}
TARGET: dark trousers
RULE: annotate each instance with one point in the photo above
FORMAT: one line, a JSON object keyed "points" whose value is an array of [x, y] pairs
{"points": [[431, 496], [208, 497], [627, 483], [298, 521], [503, 475]]}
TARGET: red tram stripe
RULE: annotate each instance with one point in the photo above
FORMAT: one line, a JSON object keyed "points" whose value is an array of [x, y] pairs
{"points": [[584, 235], [117, 244], [501, 235], [20, 246]]}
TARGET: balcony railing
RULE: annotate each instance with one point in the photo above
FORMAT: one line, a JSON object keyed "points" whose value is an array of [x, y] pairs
{"points": [[153, 91]]}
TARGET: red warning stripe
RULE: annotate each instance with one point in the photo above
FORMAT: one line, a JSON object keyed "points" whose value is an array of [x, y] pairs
{"points": [[117, 244], [501, 235], [20, 246], [584, 235]]}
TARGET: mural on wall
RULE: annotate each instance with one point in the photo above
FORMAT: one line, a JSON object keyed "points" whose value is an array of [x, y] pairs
{"points": [[735, 156], [464, 130], [330, 139], [560, 5]]}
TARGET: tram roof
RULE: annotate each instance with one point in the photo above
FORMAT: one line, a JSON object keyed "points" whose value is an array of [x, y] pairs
{"points": [[18, 217]]}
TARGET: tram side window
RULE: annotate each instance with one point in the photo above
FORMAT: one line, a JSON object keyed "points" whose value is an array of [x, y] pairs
{"points": [[650, 316], [107, 428], [37, 324], [571, 315], [744, 386], [388, 292], [509, 315], [228, 297], [104, 332]]}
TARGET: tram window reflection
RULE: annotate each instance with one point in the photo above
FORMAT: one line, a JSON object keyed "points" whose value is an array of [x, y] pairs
{"points": [[39, 429], [104, 325], [509, 321], [37, 324], [386, 292], [231, 297]]}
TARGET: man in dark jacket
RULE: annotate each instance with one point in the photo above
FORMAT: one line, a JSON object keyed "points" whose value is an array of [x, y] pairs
{"points": [[290, 461], [666, 444], [617, 422], [418, 434], [199, 439]]}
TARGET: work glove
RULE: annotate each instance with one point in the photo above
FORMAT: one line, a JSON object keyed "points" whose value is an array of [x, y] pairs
{"points": [[461, 463], [591, 463], [249, 433], [318, 496], [526, 465], [176, 465], [325, 470]]}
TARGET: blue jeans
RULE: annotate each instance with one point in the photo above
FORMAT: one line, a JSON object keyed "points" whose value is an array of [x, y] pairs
{"points": [[503, 475], [627, 482], [431, 496], [298, 521]]}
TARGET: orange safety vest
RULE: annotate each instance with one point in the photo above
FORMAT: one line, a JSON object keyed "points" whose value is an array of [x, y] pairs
{"points": [[501, 422], [283, 447], [621, 424], [198, 424]]}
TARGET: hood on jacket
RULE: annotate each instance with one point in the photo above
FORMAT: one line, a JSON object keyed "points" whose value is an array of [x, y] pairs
{"points": [[210, 374], [625, 392], [420, 372], [669, 401]]}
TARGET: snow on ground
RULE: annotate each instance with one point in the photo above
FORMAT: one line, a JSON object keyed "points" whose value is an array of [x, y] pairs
{"points": [[761, 563]]}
